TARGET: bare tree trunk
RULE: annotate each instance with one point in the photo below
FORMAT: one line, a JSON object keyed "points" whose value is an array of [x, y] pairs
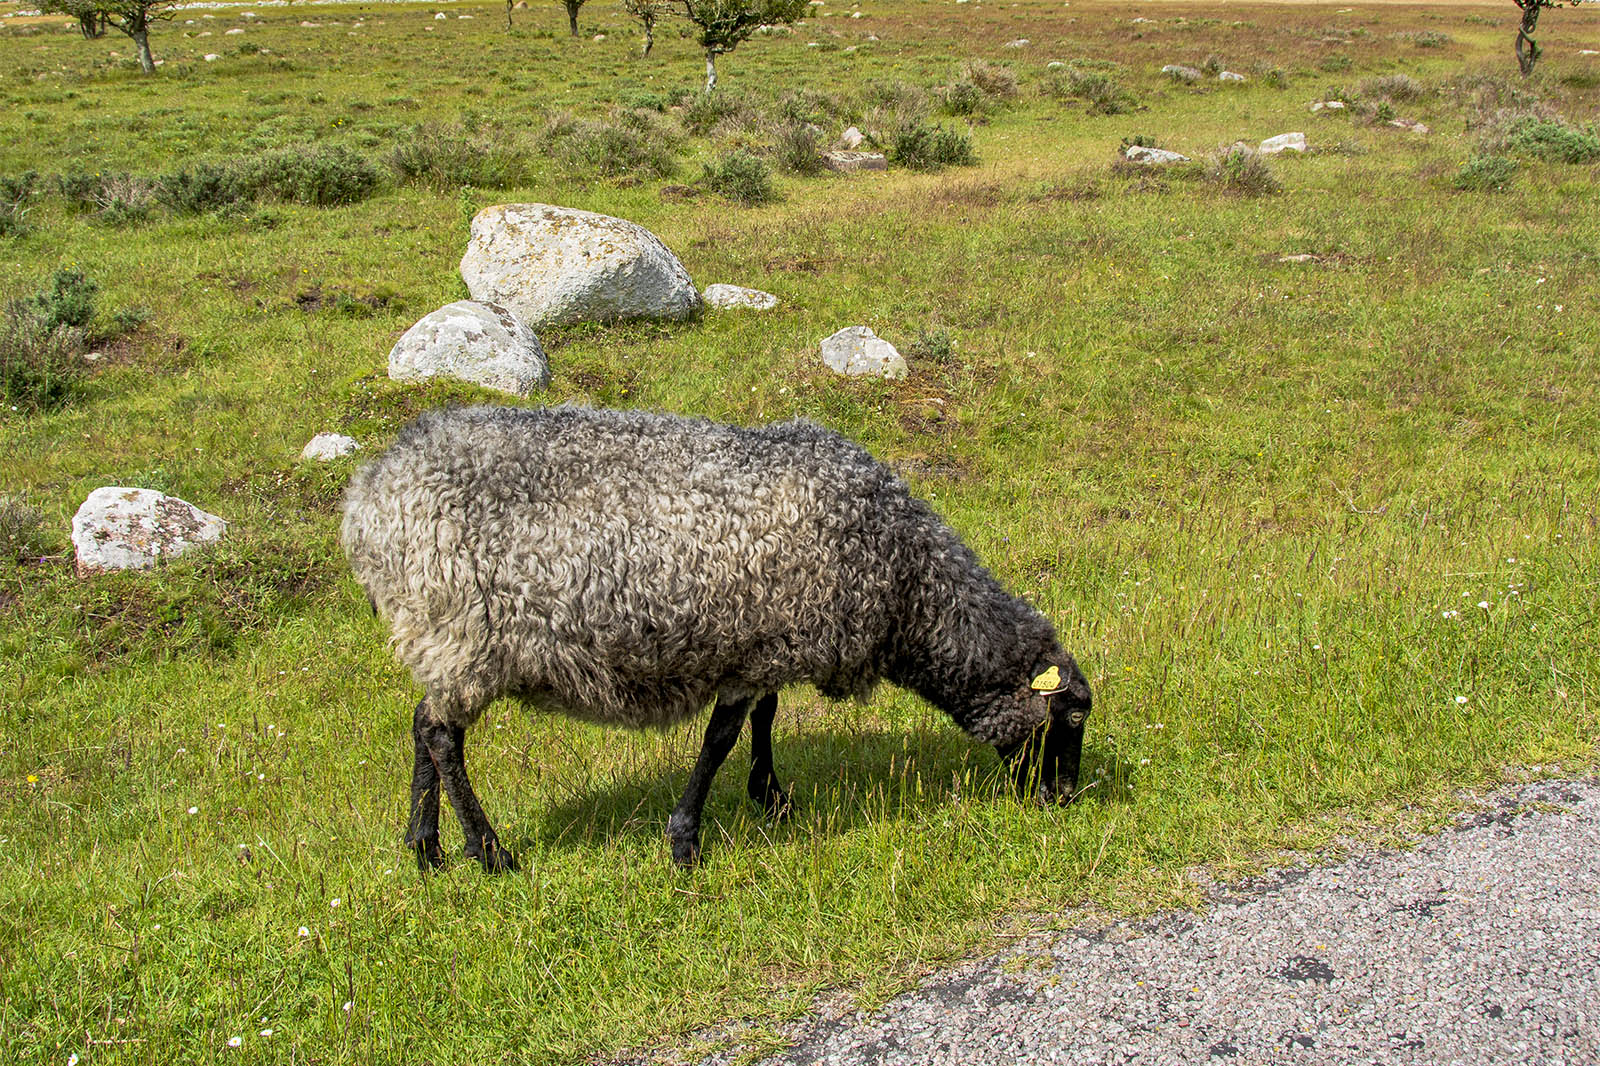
{"points": [[711, 69], [649, 38], [572, 15], [508, 13], [141, 37]]}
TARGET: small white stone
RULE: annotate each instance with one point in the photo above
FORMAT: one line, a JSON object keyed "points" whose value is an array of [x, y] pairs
{"points": [[1153, 156], [1020, 42], [212, 57], [1283, 142], [120, 528], [326, 446], [1229, 75], [729, 297], [232, 32], [856, 351]]}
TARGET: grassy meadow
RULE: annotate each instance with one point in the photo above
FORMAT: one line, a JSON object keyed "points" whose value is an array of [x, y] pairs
{"points": [[1307, 479]]}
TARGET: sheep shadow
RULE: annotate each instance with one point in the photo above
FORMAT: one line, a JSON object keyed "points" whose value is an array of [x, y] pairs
{"points": [[838, 780]]}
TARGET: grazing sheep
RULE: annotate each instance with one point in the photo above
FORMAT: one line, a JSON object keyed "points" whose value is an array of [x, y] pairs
{"points": [[627, 568]]}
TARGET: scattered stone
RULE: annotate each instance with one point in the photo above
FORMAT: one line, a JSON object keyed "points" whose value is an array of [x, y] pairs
{"points": [[203, 33], [1020, 42], [599, 37], [1152, 156], [1409, 124], [328, 446], [310, 25], [1141, 21], [520, 5], [1283, 142], [1054, 64], [131, 529], [1303, 257], [211, 57], [233, 32], [438, 16], [552, 264], [479, 342], [856, 351], [463, 16], [1229, 75], [1179, 72], [850, 139], [855, 14], [1327, 105], [1588, 52], [847, 162], [731, 297]]}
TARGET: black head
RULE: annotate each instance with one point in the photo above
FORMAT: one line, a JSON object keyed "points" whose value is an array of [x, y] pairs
{"points": [[1045, 763]]}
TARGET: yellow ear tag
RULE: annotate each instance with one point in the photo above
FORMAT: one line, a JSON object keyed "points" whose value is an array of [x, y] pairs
{"points": [[1048, 681]]}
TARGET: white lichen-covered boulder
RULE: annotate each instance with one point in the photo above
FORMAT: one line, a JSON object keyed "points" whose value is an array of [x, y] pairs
{"points": [[1283, 142], [736, 297], [327, 446], [131, 529], [483, 343], [551, 265], [857, 352]]}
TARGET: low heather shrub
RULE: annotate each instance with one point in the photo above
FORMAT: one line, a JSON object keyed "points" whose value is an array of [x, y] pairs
{"points": [[445, 157], [740, 176], [200, 188], [324, 175], [797, 149], [923, 147], [1241, 171], [1485, 173]]}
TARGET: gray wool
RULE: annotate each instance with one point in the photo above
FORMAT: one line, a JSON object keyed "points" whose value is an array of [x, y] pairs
{"points": [[626, 567]]}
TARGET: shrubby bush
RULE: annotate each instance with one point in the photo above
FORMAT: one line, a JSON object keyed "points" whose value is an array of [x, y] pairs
{"points": [[1097, 86], [1545, 138], [39, 365], [14, 196], [444, 157], [1241, 171], [322, 175], [21, 531], [1400, 87], [68, 300], [717, 110], [200, 188], [1485, 173], [924, 147], [740, 176], [628, 142], [797, 148]]}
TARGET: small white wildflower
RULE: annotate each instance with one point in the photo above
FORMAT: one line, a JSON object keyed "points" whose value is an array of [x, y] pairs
{"points": [[304, 932], [194, 810], [266, 1032], [348, 1005], [1484, 604], [334, 902], [1144, 762], [1461, 699], [156, 928], [235, 1041], [72, 1059], [1316, 647]]}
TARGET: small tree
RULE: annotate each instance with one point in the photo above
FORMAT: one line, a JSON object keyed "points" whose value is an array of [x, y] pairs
{"points": [[132, 17], [646, 13], [1527, 48], [720, 25], [572, 13]]}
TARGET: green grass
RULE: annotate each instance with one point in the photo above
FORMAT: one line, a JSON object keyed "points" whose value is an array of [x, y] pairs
{"points": [[1262, 500]]}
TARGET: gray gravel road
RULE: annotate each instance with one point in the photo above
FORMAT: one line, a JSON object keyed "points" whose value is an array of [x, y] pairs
{"points": [[1479, 945]]}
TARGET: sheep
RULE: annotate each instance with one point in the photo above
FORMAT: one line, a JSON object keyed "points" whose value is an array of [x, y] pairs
{"points": [[628, 567]]}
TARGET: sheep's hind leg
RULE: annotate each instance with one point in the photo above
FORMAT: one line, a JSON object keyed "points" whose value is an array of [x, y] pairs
{"points": [[764, 787], [445, 746], [422, 834], [727, 718]]}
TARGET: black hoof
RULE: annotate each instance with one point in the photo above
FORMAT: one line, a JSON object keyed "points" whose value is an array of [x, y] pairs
{"points": [[495, 859], [429, 855], [776, 803], [686, 854]]}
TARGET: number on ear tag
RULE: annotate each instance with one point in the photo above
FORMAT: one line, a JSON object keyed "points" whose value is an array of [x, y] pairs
{"points": [[1049, 681]]}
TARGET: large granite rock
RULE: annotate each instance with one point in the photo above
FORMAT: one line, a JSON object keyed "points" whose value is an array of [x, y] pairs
{"points": [[554, 264], [130, 529], [478, 342], [857, 351], [846, 162]]}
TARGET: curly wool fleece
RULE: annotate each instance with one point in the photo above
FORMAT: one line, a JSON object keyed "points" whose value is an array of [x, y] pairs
{"points": [[626, 567]]}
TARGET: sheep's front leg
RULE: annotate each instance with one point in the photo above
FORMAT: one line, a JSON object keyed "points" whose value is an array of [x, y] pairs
{"points": [[423, 833], [445, 746], [764, 787], [727, 718]]}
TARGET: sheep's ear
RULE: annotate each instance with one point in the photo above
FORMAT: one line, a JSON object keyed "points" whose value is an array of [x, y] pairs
{"points": [[1049, 682]]}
